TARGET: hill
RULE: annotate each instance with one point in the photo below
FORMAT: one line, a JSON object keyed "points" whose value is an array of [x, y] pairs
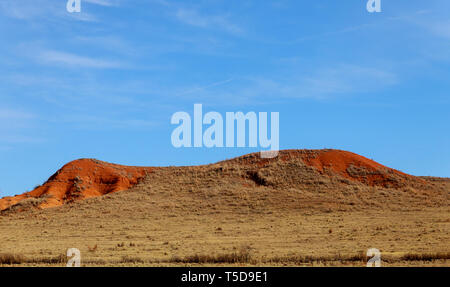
{"points": [[309, 169], [305, 207]]}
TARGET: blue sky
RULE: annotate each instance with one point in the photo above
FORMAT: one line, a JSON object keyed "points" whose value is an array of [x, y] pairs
{"points": [[105, 82]]}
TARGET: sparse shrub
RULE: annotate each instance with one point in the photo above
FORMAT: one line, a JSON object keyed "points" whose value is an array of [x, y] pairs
{"points": [[9, 259], [357, 171], [27, 204], [243, 255], [131, 259], [304, 259], [15, 259], [426, 256], [50, 260]]}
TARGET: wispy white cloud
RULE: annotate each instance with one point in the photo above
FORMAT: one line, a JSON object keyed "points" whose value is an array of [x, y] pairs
{"points": [[73, 60], [107, 3], [322, 83], [15, 126], [387, 22], [203, 88], [91, 122], [429, 20], [84, 17], [13, 121], [14, 114], [347, 79], [17, 9], [194, 18], [19, 139], [47, 9], [109, 43], [435, 27], [441, 29]]}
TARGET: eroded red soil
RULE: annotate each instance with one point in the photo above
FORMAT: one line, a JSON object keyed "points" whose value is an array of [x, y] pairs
{"points": [[81, 179]]}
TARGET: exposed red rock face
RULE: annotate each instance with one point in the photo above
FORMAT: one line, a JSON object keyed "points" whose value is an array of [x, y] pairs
{"points": [[355, 167], [81, 179], [341, 163]]}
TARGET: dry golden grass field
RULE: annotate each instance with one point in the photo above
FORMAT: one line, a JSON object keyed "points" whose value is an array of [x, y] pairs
{"points": [[287, 211]]}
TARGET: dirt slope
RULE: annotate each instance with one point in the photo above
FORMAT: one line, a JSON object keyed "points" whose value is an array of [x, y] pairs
{"points": [[307, 169], [79, 179]]}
